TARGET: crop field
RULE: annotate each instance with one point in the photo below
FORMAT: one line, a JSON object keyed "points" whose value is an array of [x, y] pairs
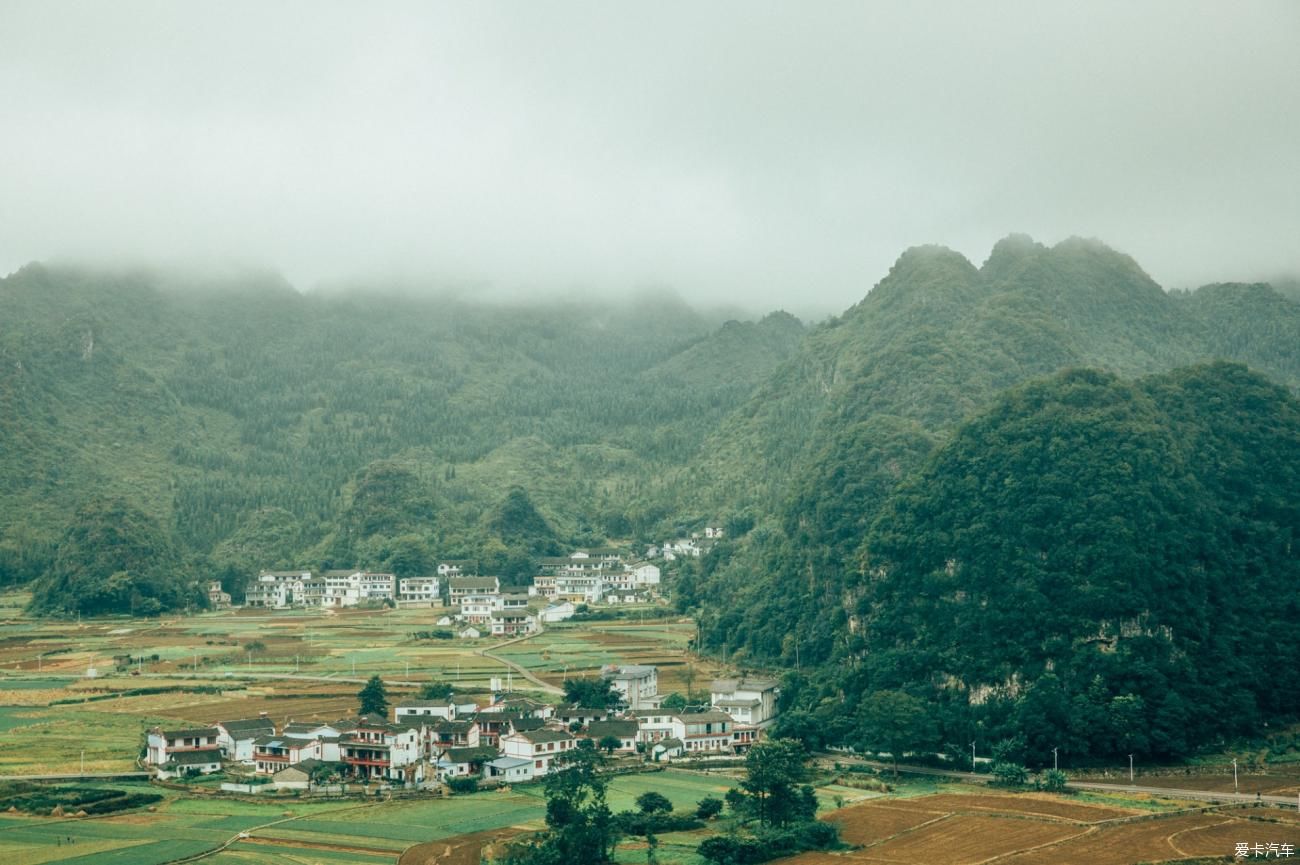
{"points": [[1281, 781], [582, 649], [98, 684], [1037, 829]]}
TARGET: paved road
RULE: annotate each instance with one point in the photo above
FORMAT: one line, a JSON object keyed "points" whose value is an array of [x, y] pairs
{"points": [[1183, 792], [536, 682]]}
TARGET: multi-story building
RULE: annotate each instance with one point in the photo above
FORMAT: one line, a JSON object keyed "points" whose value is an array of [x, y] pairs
{"points": [[581, 587], [236, 737], [273, 753], [751, 702], [462, 590], [513, 623], [418, 590], [377, 587], [342, 588], [161, 745], [701, 732], [637, 683], [542, 747], [377, 750]]}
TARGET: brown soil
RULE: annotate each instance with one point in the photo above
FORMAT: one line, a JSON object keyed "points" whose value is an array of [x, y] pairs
{"points": [[314, 845], [1040, 806], [457, 850]]}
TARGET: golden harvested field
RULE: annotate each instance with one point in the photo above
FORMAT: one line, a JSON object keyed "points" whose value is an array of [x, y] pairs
{"points": [[1273, 784], [1029, 804], [965, 840], [1039, 829], [873, 822]]}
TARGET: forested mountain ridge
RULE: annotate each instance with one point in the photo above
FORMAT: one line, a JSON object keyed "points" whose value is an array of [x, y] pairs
{"points": [[1101, 565], [870, 396], [244, 418]]}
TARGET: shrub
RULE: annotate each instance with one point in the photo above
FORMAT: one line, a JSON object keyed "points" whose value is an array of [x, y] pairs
{"points": [[1010, 774], [463, 785], [708, 807]]}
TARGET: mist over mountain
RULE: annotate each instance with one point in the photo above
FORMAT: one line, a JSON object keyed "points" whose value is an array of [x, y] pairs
{"points": [[961, 444]]}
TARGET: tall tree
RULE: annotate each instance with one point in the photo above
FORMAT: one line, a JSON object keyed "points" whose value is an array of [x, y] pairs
{"points": [[374, 697]]}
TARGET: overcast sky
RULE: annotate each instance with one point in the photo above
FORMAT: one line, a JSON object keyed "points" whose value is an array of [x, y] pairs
{"points": [[774, 154]]}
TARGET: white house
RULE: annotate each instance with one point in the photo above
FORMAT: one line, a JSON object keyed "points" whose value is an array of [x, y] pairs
{"points": [[636, 682], [342, 588], [236, 737], [273, 753], [445, 709], [377, 750], [162, 745], [624, 731], [645, 574], [512, 623], [461, 590], [509, 770], [540, 747], [557, 612], [702, 732], [579, 586], [184, 763], [377, 587], [418, 591], [469, 633], [747, 701]]}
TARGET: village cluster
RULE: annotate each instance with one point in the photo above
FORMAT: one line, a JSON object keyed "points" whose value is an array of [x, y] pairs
{"points": [[510, 738], [479, 605]]}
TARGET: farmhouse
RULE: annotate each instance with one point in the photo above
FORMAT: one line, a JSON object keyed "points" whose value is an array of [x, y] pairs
{"points": [[541, 747], [163, 745], [236, 737], [637, 683], [624, 731], [273, 753], [747, 701], [184, 763], [418, 591], [510, 770], [375, 749]]}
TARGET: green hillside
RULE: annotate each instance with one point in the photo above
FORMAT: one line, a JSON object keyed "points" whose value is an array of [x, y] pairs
{"points": [[250, 421], [869, 396]]}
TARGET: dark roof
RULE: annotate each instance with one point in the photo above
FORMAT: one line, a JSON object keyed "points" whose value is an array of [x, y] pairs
{"points": [[442, 725], [522, 724], [191, 733], [192, 758], [473, 583], [703, 717], [471, 755], [617, 729], [248, 725], [545, 735]]}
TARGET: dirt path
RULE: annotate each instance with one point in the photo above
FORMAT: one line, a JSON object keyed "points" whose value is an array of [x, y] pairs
{"points": [[541, 685], [457, 850]]}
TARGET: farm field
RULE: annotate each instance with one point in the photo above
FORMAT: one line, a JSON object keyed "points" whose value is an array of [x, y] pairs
{"points": [[958, 828], [1279, 782], [290, 664], [293, 831]]}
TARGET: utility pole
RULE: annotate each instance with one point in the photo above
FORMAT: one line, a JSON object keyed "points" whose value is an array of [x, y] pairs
{"points": [[83, 761], [1055, 762], [972, 756], [1234, 776], [1130, 770]]}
